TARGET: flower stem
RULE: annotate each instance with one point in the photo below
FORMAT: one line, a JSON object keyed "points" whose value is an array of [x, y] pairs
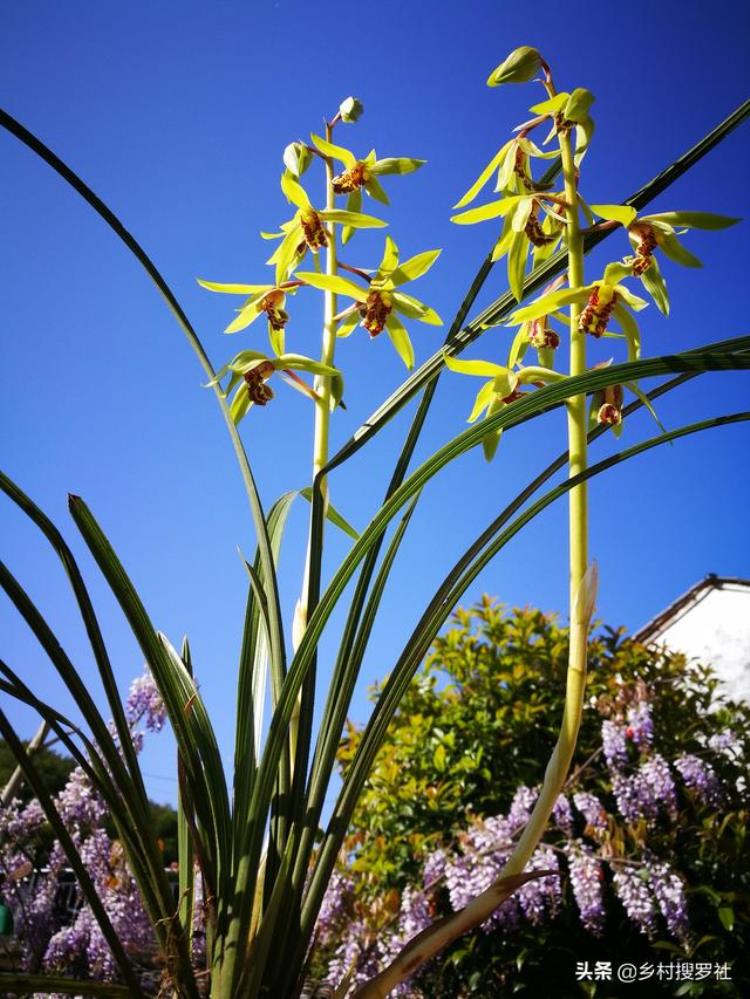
{"points": [[322, 423], [582, 582]]}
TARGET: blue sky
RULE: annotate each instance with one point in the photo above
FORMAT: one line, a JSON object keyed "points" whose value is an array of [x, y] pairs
{"points": [[176, 114]]}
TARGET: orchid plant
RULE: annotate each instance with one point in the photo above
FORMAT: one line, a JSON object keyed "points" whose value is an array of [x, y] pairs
{"points": [[258, 841]]}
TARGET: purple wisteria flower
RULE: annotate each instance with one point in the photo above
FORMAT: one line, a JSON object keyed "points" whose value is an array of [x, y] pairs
{"points": [[485, 848], [640, 726], [591, 809], [587, 882], [633, 891], [524, 800], [541, 897], [357, 959], [335, 904], [701, 778], [657, 774], [494, 834], [642, 794], [669, 891], [415, 914], [466, 876], [78, 803], [725, 742], [145, 703], [614, 745], [562, 815], [634, 797], [434, 867]]}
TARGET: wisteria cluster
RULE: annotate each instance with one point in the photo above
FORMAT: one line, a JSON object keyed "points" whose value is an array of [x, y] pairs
{"points": [[53, 936], [144, 704], [701, 778], [604, 880], [465, 872], [645, 792], [587, 882]]}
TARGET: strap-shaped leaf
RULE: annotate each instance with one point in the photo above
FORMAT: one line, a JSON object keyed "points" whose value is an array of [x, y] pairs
{"points": [[44, 152], [187, 714], [489, 543]]}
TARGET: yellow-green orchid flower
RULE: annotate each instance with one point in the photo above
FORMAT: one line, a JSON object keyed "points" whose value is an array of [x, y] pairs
{"points": [[650, 232], [522, 230], [570, 111], [306, 229], [512, 163], [262, 299], [359, 175], [377, 306], [253, 369], [600, 300], [503, 388]]}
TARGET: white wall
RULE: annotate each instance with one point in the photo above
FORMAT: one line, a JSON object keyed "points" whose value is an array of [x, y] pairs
{"points": [[716, 630]]}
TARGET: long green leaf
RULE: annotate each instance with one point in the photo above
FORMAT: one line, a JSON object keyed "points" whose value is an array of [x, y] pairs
{"points": [[313, 900], [96, 640], [185, 709], [540, 401], [185, 847], [334, 715], [256, 508], [68, 674], [432, 620], [251, 696], [122, 787]]}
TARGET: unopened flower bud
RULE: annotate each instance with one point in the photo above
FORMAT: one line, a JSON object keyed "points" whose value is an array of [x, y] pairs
{"points": [[297, 158], [351, 110], [520, 66]]}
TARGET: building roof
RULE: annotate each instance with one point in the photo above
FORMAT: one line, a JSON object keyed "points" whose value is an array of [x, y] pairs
{"points": [[698, 592]]}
